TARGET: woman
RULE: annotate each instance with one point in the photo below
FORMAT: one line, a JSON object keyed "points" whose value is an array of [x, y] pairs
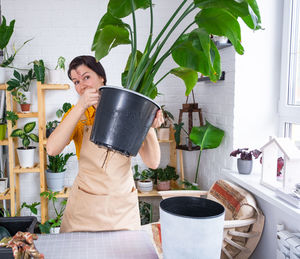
{"points": [[103, 196]]}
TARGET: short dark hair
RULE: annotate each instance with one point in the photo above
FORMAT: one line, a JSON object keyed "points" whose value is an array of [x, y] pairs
{"points": [[91, 63]]}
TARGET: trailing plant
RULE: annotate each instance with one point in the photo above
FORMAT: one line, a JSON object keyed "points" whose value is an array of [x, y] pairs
{"points": [[57, 163], [25, 134], [168, 117], [145, 212], [164, 174], [61, 63], [6, 32], [193, 49], [206, 137], [19, 97], [245, 154], [39, 70], [12, 116], [53, 222], [21, 81], [60, 112]]}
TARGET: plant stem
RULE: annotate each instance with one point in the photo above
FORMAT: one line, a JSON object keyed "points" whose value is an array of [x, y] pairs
{"points": [[53, 202], [198, 163]]}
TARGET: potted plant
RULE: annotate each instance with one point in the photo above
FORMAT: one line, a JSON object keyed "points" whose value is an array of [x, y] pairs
{"points": [[55, 174], [57, 75], [163, 132], [3, 182], [53, 225], [12, 116], [245, 161], [26, 152], [6, 32], [51, 125], [19, 87], [193, 50], [163, 176], [39, 70], [144, 182], [3, 127]]}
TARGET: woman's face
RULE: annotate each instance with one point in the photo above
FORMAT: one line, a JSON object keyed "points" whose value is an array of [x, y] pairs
{"points": [[84, 78]]}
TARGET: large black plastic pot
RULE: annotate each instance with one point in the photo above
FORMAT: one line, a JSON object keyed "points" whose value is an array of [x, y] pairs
{"points": [[123, 119]]}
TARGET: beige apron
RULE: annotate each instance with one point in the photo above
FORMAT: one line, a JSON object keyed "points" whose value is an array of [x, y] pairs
{"points": [[103, 196]]}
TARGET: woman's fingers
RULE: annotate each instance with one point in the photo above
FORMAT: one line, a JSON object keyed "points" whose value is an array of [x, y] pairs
{"points": [[159, 119]]}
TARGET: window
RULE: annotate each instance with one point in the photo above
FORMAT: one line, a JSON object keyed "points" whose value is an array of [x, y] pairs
{"points": [[289, 104]]}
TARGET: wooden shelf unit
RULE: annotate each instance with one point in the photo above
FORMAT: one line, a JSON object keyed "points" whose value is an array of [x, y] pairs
{"points": [[13, 193]]}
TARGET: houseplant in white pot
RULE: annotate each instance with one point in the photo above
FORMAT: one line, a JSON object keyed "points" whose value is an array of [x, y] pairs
{"points": [[3, 182], [144, 182], [245, 161], [19, 87], [55, 174], [193, 50], [57, 75], [26, 152]]}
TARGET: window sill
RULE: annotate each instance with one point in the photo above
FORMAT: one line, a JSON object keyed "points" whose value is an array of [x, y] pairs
{"points": [[252, 183]]}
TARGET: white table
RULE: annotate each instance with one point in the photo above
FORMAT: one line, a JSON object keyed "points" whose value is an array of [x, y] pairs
{"points": [[83, 245]]}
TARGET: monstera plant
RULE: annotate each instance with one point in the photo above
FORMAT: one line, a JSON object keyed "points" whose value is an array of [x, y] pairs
{"points": [[193, 49]]}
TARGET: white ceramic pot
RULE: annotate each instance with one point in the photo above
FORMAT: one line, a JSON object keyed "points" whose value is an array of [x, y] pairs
{"points": [[191, 228], [163, 133], [26, 156], [3, 184], [56, 76], [3, 76], [145, 186], [54, 230], [55, 181]]}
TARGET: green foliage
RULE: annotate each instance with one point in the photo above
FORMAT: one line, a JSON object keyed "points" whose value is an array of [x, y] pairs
{"points": [[39, 70], [61, 63], [60, 112], [32, 207], [143, 175], [145, 212], [192, 48], [20, 81], [25, 134], [57, 163], [12, 116], [188, 185], [19, 97], [206, 137], [168, 117], [52, 124], [164, 174], [54, 222]]}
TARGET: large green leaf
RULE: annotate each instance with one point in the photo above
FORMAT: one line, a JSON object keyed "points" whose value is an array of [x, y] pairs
{"points": [[107, 38], [189, 76], [25, 141], [29, 126], [207, 136], [122, 8], [220, 22], [33, 137], [17, 133], [246, 9], [6, 32]]}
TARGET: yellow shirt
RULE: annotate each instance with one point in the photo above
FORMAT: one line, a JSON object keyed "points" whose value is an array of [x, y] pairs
{"points": [[77, 134]]}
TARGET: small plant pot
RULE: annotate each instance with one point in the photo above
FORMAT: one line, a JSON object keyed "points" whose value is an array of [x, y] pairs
{"points": [[56, 76], [26, 156], [3, 184], [3, 128], [163, 185], [163, 133], [49, 131], [55, 181], [54, 230], [244, 166], [145, 186], [25, 107]]}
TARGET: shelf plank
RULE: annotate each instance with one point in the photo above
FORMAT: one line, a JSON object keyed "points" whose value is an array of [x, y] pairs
{"points": [[4, 142], [5, 195], [64, 193], [55, 86], [18, 169], [166, 141], [28, 115], [2, 86], [153, 193]]}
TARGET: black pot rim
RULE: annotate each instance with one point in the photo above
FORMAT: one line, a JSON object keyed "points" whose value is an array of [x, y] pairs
{"points": [[130, 91], [30, 147], [192, 198]]}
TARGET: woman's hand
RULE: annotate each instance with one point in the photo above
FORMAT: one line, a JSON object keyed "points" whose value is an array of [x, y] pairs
{"points": [[158, 120], [88, 98]]}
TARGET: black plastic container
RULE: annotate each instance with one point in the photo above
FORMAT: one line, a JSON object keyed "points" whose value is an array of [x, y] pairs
{"points": [[13, 225], [122, 120]]}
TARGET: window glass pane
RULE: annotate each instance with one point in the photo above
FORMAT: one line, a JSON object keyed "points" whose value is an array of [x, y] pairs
{"points": [[292, 130]]}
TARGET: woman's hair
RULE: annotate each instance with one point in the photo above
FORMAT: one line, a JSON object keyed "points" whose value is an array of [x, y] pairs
{"points": [[90, 62]]}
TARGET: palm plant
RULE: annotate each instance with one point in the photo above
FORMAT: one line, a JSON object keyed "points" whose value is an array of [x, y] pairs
{"points": [[193, 50]]}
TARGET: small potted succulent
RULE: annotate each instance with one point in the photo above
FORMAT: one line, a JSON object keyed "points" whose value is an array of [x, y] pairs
{"points": [[57, 75], [55, 174], [26, 152], [144, 182], [245, 161], [163, 177], [163, 132], [19, 87]]}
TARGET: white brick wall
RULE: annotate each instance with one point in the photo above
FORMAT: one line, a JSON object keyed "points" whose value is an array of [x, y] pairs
{"points": [[66, 28]]}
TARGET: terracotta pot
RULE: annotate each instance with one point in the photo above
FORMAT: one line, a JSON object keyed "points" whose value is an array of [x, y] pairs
{"points": [[25, 107], [163, 185]]}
